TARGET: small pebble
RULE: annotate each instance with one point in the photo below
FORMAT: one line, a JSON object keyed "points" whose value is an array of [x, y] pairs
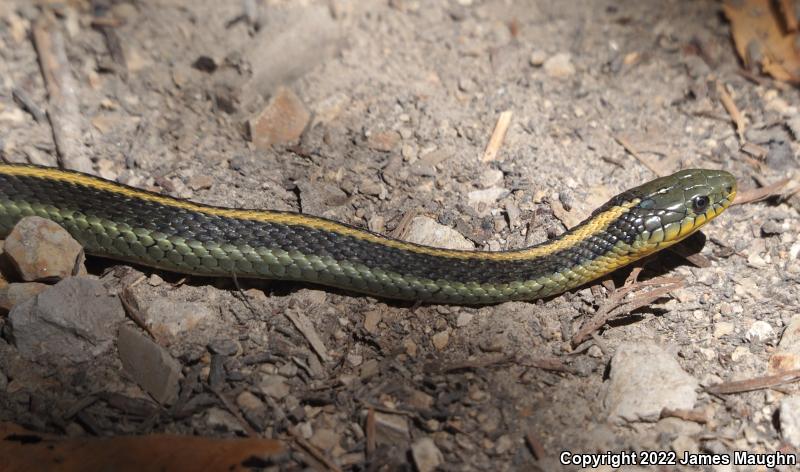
{"points": [[464, 319], [537, 58], [559, 66], [723, 328], [440, 340], [427, 457], [760, 331]]}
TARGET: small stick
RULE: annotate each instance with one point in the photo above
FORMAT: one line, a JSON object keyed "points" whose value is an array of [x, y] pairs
{"points": [[132, 309], [306, 328], [553, 364], [27, 104], [311, 449], [633, 152], [697, 416], [64, 112], [787, 8], [370, 432], [732, 109], [757, 383], [498, 135], [536, 446], [758, 194], [235, 411], [615, 305]]}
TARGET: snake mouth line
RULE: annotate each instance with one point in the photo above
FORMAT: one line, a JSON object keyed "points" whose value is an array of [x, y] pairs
{"points": [[121, 222]]}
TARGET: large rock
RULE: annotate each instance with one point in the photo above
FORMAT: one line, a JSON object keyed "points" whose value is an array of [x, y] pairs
{"points": [[42, 250], [644, 379], [150, 365], [73, 321]]}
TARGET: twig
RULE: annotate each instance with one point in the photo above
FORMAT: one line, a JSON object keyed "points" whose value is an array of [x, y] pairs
{"points": [[133, 311], [757, 383], [633, 152], [235, 411], [64, 113], [695, 258], [306, 328], [498, 135], [472, 364], [616, 304], [732, 109], [370, 432], [697, 415], [311, 449], [536, 446], [245, 298], [788, 11], [27, 104], [107, 25], [548, 363], [758, 194]]}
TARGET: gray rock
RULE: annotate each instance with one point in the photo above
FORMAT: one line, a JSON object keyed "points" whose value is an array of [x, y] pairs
{"points": [[71, 322], [273, 385], [644, 379], [391, 429], [42, 250], [174, 318], [223, 346], [427, 456], [149, 364], [789, 415]]}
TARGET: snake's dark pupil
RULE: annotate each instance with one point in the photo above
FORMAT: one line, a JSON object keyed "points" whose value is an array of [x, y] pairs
{"points": [[700, 203]]}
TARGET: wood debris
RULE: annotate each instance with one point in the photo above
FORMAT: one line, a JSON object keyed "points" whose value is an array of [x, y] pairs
{"points": [[498, 135]]}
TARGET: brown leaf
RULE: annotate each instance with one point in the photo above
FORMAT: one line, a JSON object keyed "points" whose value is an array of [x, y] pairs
{"points": [[24, 450], [758, 33]]}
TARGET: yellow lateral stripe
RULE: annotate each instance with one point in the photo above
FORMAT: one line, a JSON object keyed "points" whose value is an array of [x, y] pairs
{"points": [[597, 224]]}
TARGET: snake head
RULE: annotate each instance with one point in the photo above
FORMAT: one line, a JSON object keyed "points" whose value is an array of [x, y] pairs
{"points": [[673, 207]]}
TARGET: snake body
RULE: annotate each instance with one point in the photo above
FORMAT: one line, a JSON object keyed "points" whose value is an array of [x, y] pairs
{"points": [[120, 222]]}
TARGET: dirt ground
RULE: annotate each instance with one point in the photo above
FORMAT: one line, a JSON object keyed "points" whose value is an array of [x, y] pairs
{"points": [[403, 97]]}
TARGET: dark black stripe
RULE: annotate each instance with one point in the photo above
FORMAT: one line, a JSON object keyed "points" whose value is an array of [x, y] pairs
{"points": [[203, 227]]}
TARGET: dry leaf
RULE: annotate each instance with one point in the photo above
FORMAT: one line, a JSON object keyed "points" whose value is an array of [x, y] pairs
{"points": [[24, 450], [759, 33]]}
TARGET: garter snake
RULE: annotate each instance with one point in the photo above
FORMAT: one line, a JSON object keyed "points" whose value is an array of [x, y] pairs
{"points": [[120, 222]]}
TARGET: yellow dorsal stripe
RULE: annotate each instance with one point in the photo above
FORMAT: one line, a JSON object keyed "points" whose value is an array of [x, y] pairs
{"points": [[598, 223]]}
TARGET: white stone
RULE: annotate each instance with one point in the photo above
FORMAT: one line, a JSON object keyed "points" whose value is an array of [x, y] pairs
{"points": [[644, 379]]}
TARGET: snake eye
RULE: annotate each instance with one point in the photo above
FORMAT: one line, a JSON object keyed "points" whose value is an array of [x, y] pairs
{"points": [[699, 204]]}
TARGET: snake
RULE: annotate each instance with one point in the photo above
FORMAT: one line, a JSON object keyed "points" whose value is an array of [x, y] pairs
{"points": [[116, 221]]}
